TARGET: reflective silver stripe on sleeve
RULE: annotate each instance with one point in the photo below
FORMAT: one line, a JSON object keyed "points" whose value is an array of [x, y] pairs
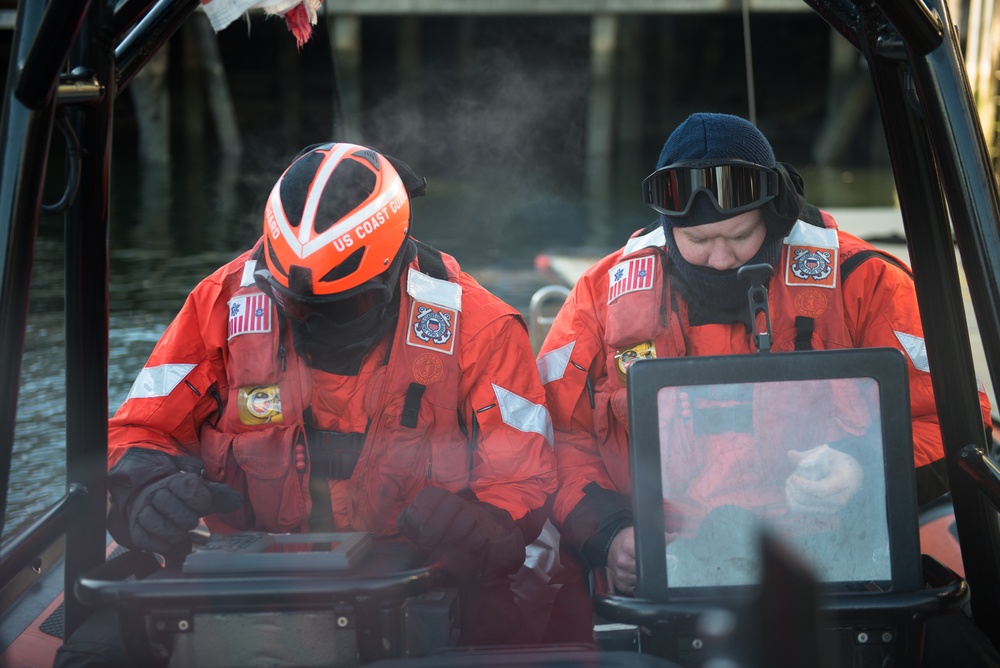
{"points": [[158, 381], [552, 365], [522, 414], [916, 349]]}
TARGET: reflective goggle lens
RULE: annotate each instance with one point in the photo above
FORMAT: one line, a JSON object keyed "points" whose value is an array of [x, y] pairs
{"points": [[734, 187]]}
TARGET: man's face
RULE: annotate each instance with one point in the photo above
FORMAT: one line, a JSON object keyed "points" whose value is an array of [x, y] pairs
{"points": [[725, 245]]}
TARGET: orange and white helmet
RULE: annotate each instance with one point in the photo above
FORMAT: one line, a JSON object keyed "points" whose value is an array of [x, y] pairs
{"points": [[334, 221]]}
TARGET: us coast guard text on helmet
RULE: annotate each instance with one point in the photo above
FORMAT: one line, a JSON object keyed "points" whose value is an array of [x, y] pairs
{"points": [[350, 230]]}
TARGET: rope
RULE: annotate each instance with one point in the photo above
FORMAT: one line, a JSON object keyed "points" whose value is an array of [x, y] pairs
{"points": [[751, 98]]}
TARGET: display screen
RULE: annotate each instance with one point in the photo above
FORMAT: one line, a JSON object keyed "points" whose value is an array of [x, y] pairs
{"points": [[803, 457]]}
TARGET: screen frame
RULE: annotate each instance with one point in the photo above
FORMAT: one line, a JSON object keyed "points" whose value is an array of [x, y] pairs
{"points": [[886, 366]]}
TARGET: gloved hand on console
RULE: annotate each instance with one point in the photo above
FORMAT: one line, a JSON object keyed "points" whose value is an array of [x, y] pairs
{"points": [[163, 513], [471, 539], [160, 497]]}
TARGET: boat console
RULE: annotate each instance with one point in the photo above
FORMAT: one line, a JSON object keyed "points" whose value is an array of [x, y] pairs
{"points": [[282, 599]]}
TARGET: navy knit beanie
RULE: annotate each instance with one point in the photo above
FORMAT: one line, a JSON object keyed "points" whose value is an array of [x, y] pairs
{"points": [[705, 136]]}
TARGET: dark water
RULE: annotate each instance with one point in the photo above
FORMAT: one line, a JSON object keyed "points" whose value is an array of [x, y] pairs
{"points": [[499, 133]]}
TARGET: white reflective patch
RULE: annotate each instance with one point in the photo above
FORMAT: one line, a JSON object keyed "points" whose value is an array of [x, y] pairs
{"points": [[158, 381], [542, 555], [426, 288], [915, 349], [552, 365], [248, 269], [654, 238], [804, 234], [522, 414]]}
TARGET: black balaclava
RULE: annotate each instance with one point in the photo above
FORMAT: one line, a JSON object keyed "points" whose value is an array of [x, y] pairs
{"points": [[719, 295], [708, 289], [339, 345]]}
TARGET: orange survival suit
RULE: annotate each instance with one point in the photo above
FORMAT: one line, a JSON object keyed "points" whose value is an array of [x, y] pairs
{"points": [[830, 290], [445, 400]]}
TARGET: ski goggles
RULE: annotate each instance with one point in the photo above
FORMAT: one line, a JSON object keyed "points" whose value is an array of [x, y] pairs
{"points": [[734, 186]]}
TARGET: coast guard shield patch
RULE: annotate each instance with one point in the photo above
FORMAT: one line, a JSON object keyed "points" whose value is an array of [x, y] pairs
{"points": [[811, 265], [432, 327]]}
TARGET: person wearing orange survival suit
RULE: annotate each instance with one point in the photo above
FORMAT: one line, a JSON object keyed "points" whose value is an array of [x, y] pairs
{"points": [[342, 376], [724, 202]]}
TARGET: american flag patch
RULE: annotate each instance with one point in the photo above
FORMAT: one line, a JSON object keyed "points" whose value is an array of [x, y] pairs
{"points": [[249, 314], [636, 274]]}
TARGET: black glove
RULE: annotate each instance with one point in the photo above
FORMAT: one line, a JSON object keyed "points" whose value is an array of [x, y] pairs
{"points": [[157, 498], [162, 514], [471, 540]]}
